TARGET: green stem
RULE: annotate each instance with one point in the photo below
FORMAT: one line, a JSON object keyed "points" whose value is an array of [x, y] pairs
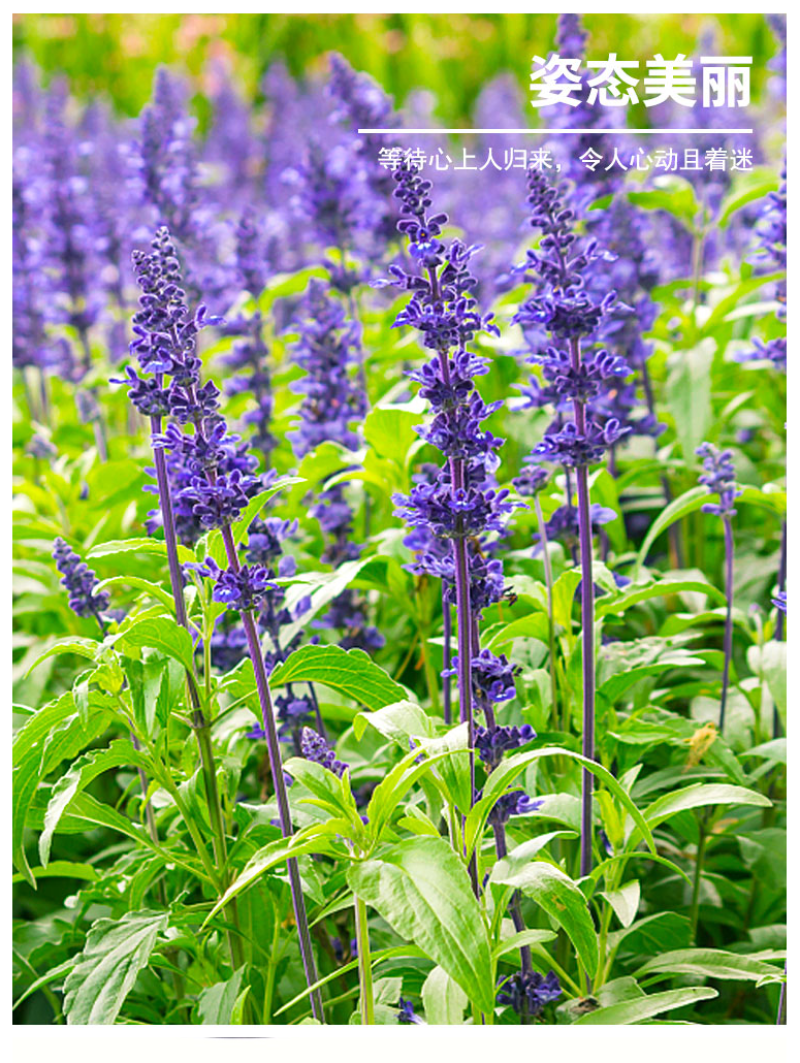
{"points": [[364, 965], [698, 874]]}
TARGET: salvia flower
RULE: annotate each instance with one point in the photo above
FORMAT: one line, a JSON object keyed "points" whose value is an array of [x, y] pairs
{"points": [[80, 582], [492, 745], [528, 991], [513, 803], [719, 478], [317, 750], [779, 601], [327, 347], [245, 589], [406, 1015]]}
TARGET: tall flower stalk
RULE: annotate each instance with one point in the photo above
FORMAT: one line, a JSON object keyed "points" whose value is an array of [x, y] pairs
{"points": [[218, 492], [454, 504], [719, 478], [570, 314]]}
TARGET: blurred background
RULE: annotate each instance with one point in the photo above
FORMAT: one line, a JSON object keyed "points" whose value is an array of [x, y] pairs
{"points": [[451, 55]]}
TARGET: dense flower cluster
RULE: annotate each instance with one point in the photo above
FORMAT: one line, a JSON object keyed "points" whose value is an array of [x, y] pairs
{"points": [[80, 582], [719, 478], [245, 589], [316, 749], [528, 992], [328, 346]]}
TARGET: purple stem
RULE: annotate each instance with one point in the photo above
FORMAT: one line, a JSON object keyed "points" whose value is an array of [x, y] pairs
{"points": [[587, 625], [199, 723], [448, 631], [728, 643], [779, 623], [284, 815]]}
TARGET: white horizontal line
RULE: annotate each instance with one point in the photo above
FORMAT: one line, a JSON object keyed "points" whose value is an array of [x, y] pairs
{"points": [[562, 132]]}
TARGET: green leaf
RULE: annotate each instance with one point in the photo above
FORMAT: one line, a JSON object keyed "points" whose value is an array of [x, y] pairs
{"points": [[630, 1012], [62, 869], [688, 394], [327, 787], [659, 589], [152, 589], [653, 933], [84, 806], [119, 754], [139, 546], [699, 796], [422, 889], [707, 963], [310, 840], [625, 901], [216, 1003], [513, 766], [81, 647], [775, 750], [160, 633], [563, 596], [688, 502], [518, 941], [443, 999], [257, 503], [351, 672], [557, 894], [53, 734], [390, 431], [114, 954], [397, 722]]}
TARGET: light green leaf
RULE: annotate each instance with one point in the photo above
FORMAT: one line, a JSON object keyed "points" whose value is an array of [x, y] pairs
{"points": [[625, 901], [397, 722], [706, 963], [160, 633], [139, 546], [351, 672], [518, 941], [689, 395], [679, 507], [557, 894], [443, 999], [216, 1002], [81, 647], [630, 1012], [699, 796], [422, 889], [502, 777], [310, 840], [114, 954], [152, 589], [62, 869], [119, 754], [660, 589]]}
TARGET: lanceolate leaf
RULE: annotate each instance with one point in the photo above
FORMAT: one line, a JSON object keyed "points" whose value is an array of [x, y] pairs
{"points": [[630, 1012], [557, 894], [115, 952], [88, 767], [422, 889], [351, 672], [706, 963]]}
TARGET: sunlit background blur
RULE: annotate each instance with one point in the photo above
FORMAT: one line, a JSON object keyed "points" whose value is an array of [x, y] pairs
{"points": [[453, 56]]}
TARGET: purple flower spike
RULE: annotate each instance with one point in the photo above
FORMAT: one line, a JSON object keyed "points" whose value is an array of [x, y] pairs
{"points": [[80, 582], [317, 750], [528, 992]]}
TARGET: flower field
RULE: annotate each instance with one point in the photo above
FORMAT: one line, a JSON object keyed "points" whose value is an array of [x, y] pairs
{"points": [[400, 542]]}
